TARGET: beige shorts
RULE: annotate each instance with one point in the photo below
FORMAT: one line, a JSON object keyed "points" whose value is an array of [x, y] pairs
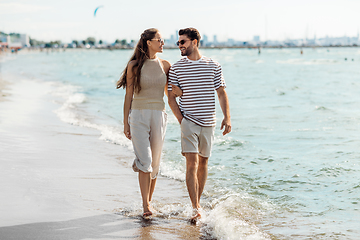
{"points": [[196, 139], [147, 128]]}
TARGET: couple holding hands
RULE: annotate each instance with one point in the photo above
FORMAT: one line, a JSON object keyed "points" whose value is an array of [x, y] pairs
{"points": [[195, 79]]}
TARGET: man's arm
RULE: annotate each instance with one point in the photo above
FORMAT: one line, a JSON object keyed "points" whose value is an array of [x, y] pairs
{"points": [[224, 104], [174, 106], [172, 79]]}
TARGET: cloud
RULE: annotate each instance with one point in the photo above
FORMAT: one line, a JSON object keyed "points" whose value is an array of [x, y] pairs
{"points": [[18, 8]]}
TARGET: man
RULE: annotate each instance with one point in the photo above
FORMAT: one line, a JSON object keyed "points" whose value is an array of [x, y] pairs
{"points": [[198, 77]]}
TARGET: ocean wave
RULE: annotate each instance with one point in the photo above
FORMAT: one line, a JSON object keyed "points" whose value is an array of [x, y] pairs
{"points": [[172, 166], [72, 111], [321, 108], [67, 111], [307, 61], [259, 61], [168, 170], [233, 217]]}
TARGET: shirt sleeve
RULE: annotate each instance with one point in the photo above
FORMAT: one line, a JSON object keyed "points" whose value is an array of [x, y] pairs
{"points": [[173, 79], [219, 80]]}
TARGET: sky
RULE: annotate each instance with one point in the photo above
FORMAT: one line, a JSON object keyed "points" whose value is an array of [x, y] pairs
{"points": [[241, 20]]}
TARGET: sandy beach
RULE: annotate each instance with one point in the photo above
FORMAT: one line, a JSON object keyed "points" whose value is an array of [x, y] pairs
{"points": [[3, 87], [59, 181]]}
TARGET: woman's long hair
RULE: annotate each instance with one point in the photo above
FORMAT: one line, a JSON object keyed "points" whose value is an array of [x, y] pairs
{"points": [[141, 53]]}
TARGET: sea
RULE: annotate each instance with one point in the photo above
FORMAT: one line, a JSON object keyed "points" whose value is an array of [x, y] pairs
{"points": [[290, 168]]}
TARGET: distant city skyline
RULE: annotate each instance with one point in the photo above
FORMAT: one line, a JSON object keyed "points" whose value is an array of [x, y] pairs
{"points": [[227, 19], [17, 41]]}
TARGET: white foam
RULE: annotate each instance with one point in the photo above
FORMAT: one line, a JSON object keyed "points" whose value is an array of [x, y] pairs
{"points": [[173, 170], [114, 135], [232, 218], [71, 111]]}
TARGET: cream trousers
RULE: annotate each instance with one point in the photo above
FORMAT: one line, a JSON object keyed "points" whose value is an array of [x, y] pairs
{"points": [[147, 128]]}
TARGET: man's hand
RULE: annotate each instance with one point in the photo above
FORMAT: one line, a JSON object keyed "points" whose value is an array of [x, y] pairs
{"points": [[176, 90], [224, 104], [226, 124], [174, 106]]}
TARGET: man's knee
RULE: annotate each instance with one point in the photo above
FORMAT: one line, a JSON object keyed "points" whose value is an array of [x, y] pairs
{"points": [[192, 162], [203, 161]]}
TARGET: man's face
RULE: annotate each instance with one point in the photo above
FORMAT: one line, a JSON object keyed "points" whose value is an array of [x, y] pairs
{"points": [[185, 45]]}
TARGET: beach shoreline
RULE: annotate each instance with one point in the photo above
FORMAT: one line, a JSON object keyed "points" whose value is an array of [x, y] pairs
{"points": [[60, 181], [62, 49]]}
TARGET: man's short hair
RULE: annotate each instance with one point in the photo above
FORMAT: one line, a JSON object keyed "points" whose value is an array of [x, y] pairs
{"points": [[191, 33]]}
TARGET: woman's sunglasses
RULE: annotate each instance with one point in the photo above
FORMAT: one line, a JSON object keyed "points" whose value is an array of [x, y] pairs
{"points": [[160, 40]]}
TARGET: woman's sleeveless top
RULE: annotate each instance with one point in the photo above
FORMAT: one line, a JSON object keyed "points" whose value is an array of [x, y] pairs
{"points": [[152, 82]]}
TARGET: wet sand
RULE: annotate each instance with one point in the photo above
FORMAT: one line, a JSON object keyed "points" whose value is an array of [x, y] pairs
{"points": [[60, 181], [3, 88], [107, 226]]}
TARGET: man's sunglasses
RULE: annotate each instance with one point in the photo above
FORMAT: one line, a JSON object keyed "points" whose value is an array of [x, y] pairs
{"points": [[182, 42]]}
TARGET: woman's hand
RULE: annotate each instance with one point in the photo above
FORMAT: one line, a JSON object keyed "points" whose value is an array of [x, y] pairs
{"points": [[180, 120], [127, 131], [176, 90]]}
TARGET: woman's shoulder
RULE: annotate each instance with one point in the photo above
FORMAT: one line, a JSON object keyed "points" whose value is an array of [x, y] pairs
{"points": [[132, 63], [165, 63]]}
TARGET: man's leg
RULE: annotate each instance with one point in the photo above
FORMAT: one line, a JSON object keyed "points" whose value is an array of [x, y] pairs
{"points": [[192, 163], [202, 173]]}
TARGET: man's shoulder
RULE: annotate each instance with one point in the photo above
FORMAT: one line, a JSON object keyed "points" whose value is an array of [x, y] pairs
{"points": [[180, 62], [210, 61]]}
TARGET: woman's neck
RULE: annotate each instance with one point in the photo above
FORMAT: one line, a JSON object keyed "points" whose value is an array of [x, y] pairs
{"points": [[152, 55]]}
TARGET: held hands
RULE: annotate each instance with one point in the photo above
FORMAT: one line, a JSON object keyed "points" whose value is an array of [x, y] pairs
{"points": [[227, 124], [127, 131], [180, 120], [176, 90]]}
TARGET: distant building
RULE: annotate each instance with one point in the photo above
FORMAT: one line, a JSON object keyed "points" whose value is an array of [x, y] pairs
{"points": [[24, 40], [204, 41], [172, 40], [215, 39], [256, 39], [231, 42], [15, 39], [3, 37], [339, 41]]}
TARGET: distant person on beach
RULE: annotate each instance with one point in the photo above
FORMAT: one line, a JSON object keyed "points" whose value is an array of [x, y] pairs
{"points": [[145, 80], [198, 77]]}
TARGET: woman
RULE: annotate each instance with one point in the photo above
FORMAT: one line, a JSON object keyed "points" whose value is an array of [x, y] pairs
{"points": [[145, 80]]}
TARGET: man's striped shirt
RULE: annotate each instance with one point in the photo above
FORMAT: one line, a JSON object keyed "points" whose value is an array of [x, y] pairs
{"points": [[198, 81]]}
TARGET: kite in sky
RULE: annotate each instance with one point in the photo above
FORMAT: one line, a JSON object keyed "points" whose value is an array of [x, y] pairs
{"points": [[97, 9]]}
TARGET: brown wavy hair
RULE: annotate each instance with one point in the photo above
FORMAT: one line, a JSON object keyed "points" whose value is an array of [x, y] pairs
{"points": [[141, 53]]}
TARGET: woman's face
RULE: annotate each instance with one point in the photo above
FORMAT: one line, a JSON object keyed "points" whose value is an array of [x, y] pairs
{"points": [[156, 44]]}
